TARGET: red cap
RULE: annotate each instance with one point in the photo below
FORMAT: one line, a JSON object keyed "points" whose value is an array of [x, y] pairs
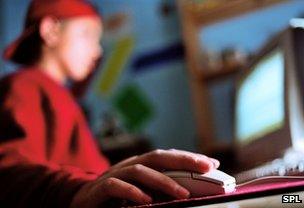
{"points": [[61, 9]]}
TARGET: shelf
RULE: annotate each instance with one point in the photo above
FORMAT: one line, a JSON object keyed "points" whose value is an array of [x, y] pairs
{"points": [[220, 73], [214, 75]]}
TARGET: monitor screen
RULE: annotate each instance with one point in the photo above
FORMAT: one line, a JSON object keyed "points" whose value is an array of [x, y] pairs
{"points": [[260, 99]]}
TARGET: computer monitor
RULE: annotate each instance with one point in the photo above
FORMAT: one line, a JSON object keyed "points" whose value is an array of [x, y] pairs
{"points": [[268, 118]]}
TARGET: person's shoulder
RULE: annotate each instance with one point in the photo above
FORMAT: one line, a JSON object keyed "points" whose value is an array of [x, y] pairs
{"points": [[23, 75], [22, 81], [20, 74]]}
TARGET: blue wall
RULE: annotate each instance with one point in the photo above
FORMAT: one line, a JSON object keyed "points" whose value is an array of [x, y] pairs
{"points": [[165, 85], [12, 14], [249, 32]]}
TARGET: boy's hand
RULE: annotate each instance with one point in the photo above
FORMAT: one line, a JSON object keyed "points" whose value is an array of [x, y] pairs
{"points": [[119, 182]]}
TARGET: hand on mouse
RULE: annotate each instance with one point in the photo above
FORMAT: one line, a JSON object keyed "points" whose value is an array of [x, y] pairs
{"points": [[121, 179]]}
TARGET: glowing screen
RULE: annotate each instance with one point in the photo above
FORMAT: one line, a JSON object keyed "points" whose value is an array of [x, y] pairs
{"points": [[260, 99]]}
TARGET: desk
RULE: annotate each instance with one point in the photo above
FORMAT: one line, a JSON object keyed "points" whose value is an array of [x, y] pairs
{"points": [[255, 196], [260, 202]]}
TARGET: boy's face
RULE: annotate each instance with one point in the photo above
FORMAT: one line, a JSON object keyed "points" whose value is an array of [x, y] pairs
{"points": [[79, 46]]}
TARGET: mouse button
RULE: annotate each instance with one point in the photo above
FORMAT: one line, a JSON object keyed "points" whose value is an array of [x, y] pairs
{"points": [[207, 177], [178, 174], [216, 176]]}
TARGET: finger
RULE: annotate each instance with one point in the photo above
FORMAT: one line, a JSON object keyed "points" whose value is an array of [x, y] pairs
{"points": [[215, 162], [152, 179], [125, 163], [116, 188], [177, 160], [172, 159]]}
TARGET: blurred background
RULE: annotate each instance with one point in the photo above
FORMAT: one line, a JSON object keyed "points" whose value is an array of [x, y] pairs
{"points": [[167, 77]]}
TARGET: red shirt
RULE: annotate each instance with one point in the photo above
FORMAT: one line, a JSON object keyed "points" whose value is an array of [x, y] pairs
{"points": [[46, 148]]}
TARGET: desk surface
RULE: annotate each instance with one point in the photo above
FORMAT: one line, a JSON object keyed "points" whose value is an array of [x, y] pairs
{"points": [[268, 195], [260, 202]]}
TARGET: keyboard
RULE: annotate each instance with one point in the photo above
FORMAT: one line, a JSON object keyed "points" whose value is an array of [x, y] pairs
{"points": [[292, 164]]}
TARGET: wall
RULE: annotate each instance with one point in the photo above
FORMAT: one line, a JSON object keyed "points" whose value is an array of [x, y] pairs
{"points": [[163, 83], [252, 30], [12, 15]]}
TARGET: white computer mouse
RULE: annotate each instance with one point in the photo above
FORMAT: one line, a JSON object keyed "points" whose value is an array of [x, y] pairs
{"points": [[211, 183]]}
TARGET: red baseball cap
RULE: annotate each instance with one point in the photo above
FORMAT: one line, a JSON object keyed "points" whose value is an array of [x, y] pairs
{"points": [[61, 9]]}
